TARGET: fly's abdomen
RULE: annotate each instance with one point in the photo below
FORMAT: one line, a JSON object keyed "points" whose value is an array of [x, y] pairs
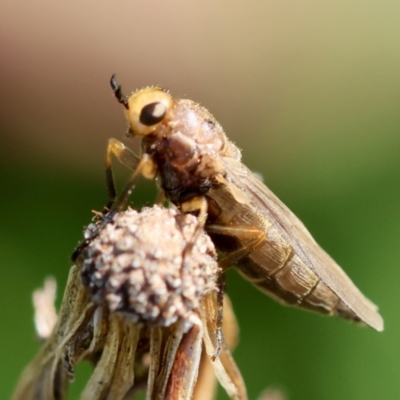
{"points": [[285, 277]]}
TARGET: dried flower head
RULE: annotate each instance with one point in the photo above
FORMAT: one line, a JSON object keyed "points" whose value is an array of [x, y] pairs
{"points": [[138, 266], [140, 305]]}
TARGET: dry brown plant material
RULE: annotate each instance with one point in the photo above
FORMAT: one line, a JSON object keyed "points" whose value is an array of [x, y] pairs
{"points": [[45, 310], [273, 394], [140, 305]]}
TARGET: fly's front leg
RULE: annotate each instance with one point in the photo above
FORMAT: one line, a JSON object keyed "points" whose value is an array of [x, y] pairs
{"points": [[139, 165], [126, 157], [161, 199], [145, 167]]}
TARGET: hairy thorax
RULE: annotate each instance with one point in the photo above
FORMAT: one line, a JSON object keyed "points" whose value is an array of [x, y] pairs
{"points": [[186, 149]]}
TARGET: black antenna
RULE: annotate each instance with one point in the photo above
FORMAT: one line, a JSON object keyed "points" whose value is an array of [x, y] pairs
{"points": [[117, 92]]}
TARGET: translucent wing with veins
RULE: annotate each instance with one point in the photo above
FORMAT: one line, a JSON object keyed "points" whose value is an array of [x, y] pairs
{"points": [[290, 260]]}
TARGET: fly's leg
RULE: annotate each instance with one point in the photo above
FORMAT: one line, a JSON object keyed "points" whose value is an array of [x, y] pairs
{"points": [[145, 167], [206, 384], [126, 157], [139, 165], [197, 204], [160, 199], [200, 205], [253, 238], [224, 366]]}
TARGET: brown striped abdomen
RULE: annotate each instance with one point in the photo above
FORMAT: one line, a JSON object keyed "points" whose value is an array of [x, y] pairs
{"points": [[286, 278]]}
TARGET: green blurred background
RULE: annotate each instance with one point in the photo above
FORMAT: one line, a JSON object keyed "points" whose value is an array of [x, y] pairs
{"points": [[310, 90]]}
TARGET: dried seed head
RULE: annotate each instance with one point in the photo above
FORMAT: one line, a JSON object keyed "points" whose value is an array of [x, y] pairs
{"points": [[138, 266]]}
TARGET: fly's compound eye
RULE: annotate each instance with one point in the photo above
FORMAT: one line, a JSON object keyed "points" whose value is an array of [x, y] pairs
{"points": [[147, 108], [153, 113]]}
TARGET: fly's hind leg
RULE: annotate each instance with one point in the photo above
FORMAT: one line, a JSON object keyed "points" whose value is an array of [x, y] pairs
{"points": [[249, 237], [224, 366], [253, 237]]}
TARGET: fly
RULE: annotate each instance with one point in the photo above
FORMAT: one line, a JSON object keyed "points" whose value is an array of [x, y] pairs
{"points": [[199, 170]]}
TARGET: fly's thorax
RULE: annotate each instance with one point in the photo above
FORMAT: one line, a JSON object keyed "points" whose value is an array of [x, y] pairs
{"points": [[183, 139], [187, 133], [187, 149], [198, 123]]}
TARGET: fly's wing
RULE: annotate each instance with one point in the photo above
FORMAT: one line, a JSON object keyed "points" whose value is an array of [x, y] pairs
{"points": [[297, 236]]}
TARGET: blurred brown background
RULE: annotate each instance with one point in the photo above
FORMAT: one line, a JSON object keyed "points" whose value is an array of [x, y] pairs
{"points": [[310, 90]]}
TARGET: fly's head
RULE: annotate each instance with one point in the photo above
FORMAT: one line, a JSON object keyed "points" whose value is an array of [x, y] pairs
{"points": [[181, 137], [181, 129], [145, 109]]}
